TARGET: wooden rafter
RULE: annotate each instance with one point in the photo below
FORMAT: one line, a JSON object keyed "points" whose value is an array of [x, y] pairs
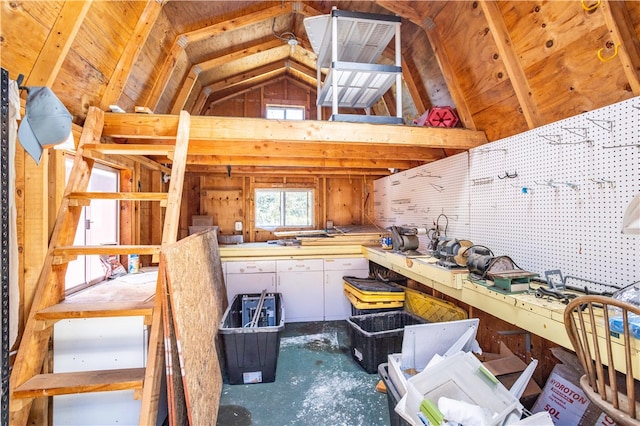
{"points": [[130, 54], [510, 60], [616, 15], [58, 43]]}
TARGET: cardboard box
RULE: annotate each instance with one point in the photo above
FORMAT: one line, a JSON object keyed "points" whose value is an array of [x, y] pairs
{"points": [[563, 398]]}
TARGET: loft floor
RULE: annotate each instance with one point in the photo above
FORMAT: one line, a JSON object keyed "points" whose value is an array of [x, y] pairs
{"points": [[317, 383]]}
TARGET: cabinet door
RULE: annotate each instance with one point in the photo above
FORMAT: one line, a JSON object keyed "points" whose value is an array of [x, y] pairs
{"points": [[302, 294], [249, 283], [336, 304]]}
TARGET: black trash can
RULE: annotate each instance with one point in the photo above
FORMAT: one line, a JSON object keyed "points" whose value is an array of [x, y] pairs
{"points": [[375, 336], [251, 353]]}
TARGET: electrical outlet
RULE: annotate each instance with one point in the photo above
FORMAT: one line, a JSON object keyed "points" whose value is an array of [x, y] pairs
{"points": [[238, 226]]}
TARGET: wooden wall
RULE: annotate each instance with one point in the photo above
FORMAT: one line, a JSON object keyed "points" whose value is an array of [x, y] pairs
{"points": [[344, 200]]}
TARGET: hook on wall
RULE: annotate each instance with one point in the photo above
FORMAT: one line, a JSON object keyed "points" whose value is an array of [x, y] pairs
{"points": [[508, 176], [607, 59], [592, 7]]}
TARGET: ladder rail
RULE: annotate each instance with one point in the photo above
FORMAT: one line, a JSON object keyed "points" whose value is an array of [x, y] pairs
{"points": [[50, 286]]}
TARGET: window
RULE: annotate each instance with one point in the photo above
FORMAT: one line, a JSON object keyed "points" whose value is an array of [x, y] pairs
{"points": [[284, 208], [285, 112], [98, 225]]}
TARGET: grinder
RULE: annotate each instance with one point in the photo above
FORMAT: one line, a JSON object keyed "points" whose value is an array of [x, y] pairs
{"points": [[405, 239], [479, 261]]}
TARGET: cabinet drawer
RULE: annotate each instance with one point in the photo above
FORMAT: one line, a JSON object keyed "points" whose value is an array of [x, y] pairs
{"points": [[251, 267], [299, 265], [346, 264]]}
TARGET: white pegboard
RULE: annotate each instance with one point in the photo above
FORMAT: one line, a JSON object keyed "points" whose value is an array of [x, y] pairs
{"points": [[564, 209], [418, 197]]}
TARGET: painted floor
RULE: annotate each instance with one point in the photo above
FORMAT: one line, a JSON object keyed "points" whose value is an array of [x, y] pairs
{"points": [[317, 383]]}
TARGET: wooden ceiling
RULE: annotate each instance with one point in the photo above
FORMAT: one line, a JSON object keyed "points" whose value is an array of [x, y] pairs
{"points": [[506, 66]]}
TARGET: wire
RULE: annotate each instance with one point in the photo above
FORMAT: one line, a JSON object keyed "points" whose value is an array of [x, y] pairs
{"points": [[285, 36], [438, 223]]}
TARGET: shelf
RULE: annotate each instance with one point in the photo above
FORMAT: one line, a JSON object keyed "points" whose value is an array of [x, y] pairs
{"points": [[359, 85], [361, 37], [350, 45]]}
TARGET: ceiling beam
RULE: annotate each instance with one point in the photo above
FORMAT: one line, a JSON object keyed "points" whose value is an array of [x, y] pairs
{"points": [[58, 43], [512, 64], [360, 163], [287, 171], [156, 126], [130, 54], [241, 19]]}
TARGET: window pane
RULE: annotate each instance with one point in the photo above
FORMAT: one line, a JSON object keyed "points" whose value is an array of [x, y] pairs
{"points": [[283, 208], [295, 114], [298, 208], [275, 113], [268, 208]]}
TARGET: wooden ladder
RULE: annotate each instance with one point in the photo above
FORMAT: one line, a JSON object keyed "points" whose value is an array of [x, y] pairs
{"points": [[27, 382]]}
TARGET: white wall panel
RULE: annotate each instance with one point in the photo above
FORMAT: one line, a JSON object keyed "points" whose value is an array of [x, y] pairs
{"points": [[563, 210]]}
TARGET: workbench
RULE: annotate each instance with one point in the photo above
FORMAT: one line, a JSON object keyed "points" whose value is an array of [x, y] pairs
{"points": [[540, 316]]}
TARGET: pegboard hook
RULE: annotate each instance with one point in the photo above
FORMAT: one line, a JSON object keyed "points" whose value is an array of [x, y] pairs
{"points": [[615, 53], [592, 7]]}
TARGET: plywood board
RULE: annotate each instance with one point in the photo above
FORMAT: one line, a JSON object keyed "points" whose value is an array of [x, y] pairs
{"points": [[197, 297]]}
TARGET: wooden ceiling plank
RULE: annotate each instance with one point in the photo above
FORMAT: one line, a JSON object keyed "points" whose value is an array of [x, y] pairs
{"points": [[186, 89], [157, 126], [518, 78], [241, 21], [55, 49], [130, 54], [407, 11], [618, 20]]}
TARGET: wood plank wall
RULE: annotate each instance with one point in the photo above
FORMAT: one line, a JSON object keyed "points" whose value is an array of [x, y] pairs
{"points": [[343, 199]]}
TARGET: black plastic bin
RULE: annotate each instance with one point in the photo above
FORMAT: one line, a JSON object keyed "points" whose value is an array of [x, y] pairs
{"points": [[393, 397], [375, 336], [251, 353]]}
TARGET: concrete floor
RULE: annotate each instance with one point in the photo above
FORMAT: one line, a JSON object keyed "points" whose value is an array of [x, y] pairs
{"points": [[317, 383]]}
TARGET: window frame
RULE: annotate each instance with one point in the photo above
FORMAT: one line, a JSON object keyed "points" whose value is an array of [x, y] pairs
{"points": [[282, 223], [285, 108]]}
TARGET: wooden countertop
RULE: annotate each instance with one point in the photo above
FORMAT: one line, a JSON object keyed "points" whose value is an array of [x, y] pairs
{"points": [[253, 251], [539, 316]]}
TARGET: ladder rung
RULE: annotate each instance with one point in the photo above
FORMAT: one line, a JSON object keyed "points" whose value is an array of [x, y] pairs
{"points": [[68, 251], [128, 149], [135, 196], [80, 382], [67, 310]]}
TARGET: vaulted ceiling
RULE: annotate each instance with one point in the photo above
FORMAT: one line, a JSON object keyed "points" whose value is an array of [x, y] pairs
{"points": [[506, 67]]}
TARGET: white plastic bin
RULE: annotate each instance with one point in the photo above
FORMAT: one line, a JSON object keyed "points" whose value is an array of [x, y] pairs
{"points": [[461, 377]]}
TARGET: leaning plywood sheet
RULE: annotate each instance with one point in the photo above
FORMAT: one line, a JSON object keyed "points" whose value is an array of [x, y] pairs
{"points": [[198, 299]]}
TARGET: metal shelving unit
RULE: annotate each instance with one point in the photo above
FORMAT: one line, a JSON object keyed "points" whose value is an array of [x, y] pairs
{"points": [[349, 44]]}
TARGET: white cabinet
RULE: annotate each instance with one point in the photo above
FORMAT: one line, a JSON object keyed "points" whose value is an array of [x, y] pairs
{"points": [[312, 289], [336, 304], [250, 277], [301, 284]]}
